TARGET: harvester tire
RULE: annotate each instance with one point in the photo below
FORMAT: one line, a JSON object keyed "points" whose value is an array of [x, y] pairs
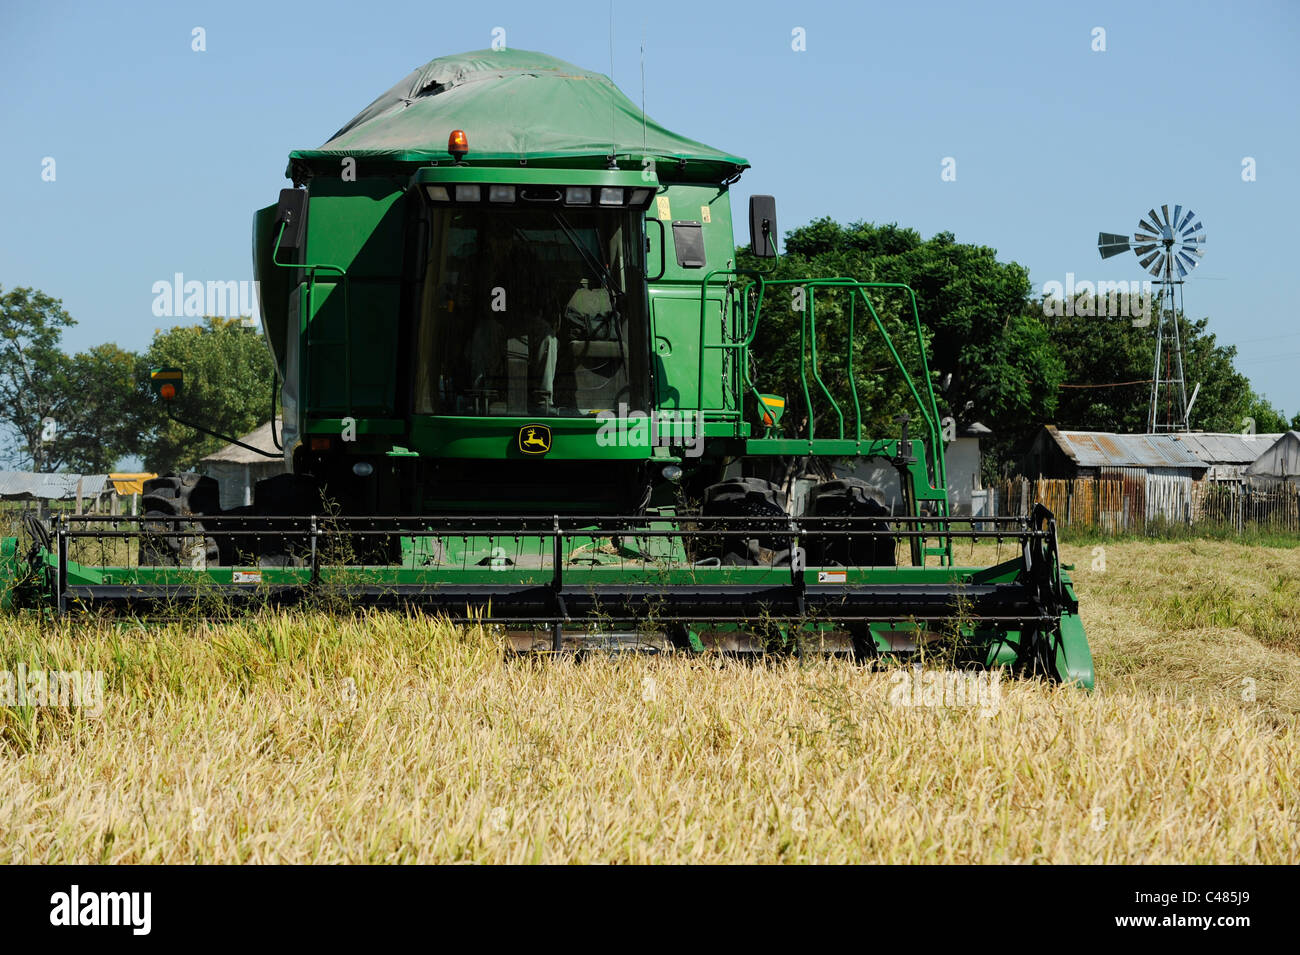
{"points": [[742, 497], [850, 497], [173, 542], [168, 542], [185, 494]]}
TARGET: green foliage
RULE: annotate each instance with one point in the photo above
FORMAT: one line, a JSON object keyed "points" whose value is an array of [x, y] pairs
{"points": [[228, 380], [76, 413], [1112, 359], [103, 425], [32, 372]]}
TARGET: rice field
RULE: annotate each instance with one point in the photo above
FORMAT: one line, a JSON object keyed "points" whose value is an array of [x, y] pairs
{"points": [[383, 738]]}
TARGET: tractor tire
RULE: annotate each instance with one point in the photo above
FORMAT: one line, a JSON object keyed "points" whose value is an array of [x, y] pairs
{"points": [[284, 495], [850, 497], [168, 542], [288, 495], [184, 495], [177, 543], [741, 497]]}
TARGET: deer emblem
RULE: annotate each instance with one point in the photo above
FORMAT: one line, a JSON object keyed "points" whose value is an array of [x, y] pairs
{"points": [[535, 439]]}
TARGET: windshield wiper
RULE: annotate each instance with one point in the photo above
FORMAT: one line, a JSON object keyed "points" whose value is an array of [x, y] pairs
{"points": [[592, 262]]}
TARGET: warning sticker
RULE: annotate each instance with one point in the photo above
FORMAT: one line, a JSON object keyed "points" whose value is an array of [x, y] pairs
{"points": [[246, 577], [832, 576]]}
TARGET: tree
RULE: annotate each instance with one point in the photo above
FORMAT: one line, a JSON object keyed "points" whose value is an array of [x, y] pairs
{"points": [[103, 421], [34, 388], [1109, 385], [228, 380]]}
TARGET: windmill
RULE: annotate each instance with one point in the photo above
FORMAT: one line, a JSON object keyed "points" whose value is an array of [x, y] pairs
{"points": [[1168, 247]]}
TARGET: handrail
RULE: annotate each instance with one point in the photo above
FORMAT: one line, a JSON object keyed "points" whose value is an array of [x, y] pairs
{"points": [[936, 472]]}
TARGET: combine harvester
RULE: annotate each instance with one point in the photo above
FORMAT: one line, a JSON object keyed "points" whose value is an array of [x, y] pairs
{"points": [[520, 384]]}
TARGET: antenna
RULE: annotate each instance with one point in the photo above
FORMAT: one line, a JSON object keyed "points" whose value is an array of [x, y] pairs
{"points": [[613, 145], [1164, 244], [643, 136]]}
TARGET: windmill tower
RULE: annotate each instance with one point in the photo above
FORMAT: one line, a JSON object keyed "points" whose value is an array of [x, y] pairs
{"points": [[1168, 247]]}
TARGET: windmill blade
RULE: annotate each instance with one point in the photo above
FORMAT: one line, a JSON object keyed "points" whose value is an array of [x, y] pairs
{"points": [[1143, 237], [1142, 250], [1165, 210], [1145, 263], [1178, 214], [1189, 259], [1186, 219], [1154, 218], [1181, 269], [1110, 244]]}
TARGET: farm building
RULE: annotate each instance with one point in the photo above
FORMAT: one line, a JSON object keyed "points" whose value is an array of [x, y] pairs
{"points": [[1226, 456], [27, 486], [1093, 454], [1133, 477], [93, 493], [237, 469], [966, 496], [1280, 461]]}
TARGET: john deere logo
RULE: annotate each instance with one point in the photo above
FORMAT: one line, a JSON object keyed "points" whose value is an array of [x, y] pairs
{"points": [[534, 439]]}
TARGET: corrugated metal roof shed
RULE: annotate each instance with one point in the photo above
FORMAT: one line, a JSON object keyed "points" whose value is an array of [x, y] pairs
{"points": [[23, 485], [261, 438], [1218, 448], [1098, 449]]}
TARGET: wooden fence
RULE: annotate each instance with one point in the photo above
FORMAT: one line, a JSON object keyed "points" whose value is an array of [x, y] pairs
{"points": [[1130, 500]]}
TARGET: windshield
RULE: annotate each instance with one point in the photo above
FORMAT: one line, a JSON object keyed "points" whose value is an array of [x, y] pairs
{"points": [[526, 312]]}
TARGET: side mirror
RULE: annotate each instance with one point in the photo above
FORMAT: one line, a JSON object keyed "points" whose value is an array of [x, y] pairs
{"points": [[291, 212], [762, 226]]}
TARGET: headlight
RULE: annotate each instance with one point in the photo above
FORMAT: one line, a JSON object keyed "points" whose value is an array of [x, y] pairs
{"points": [[363, 469]]}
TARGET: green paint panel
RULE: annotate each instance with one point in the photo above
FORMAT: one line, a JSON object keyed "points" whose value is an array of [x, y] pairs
{"points": [[676, 334], [352, 368], [356, 226], [472, 437]]}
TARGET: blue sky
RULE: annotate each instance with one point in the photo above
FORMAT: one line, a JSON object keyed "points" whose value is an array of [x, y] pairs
{"points": [[163, 153]]}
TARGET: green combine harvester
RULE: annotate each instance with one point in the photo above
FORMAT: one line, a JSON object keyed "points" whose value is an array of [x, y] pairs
{"points": [[520, 385]]}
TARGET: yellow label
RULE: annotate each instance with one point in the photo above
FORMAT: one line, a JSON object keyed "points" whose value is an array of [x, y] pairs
{"points": [[665, 208], [705, 214]]}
